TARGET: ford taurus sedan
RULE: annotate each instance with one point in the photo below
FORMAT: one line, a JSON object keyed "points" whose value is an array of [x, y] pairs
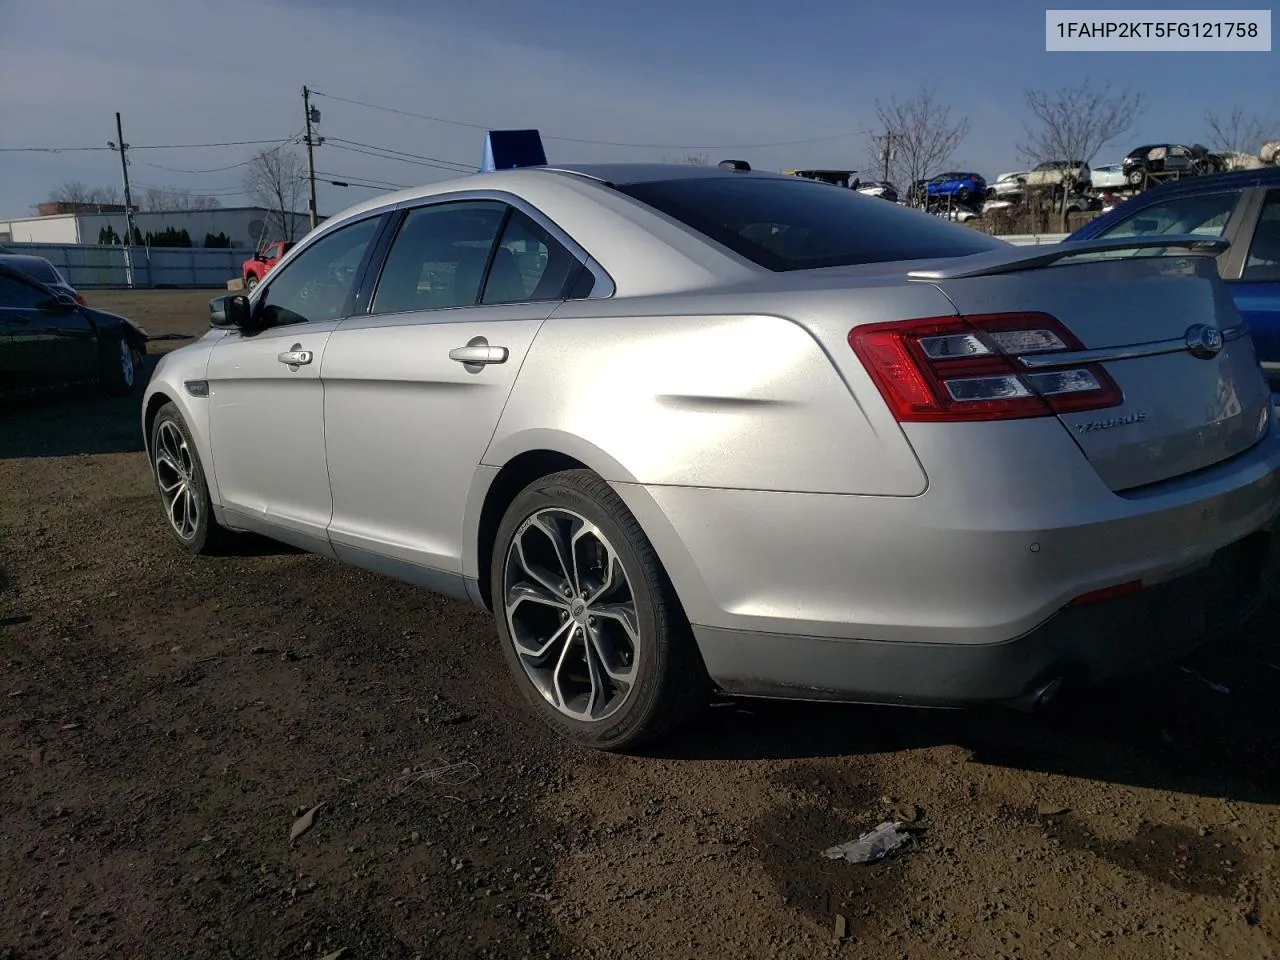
{"points": [[683, 428]]}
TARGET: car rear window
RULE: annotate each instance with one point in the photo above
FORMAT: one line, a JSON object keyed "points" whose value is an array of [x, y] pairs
{"points": [[785, 224], [41, 270]]}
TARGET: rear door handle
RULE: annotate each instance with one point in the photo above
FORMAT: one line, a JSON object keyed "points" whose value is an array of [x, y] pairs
{"points": [[295, 357], [479, 353]]}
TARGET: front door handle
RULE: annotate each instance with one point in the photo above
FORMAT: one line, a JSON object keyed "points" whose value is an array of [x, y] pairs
{"points": [[479, 353], [295, 356]]}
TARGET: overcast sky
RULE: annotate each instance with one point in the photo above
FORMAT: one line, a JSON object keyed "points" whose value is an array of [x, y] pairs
{"points": [[707, 75]]}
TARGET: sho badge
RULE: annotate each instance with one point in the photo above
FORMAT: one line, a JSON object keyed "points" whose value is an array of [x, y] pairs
{"points": [[1107, 424]]}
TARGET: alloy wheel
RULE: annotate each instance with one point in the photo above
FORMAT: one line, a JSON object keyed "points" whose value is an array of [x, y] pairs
{"points": [[128, 371], [571, 612], [175, 475]]}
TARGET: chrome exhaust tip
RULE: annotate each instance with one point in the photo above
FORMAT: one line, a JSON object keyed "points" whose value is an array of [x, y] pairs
{"points": [[1039, 697]]}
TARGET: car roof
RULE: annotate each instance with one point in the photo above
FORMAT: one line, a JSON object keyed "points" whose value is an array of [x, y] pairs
{"points": [[20, 258], [1234, 180], [607, 174], [626, 174]]}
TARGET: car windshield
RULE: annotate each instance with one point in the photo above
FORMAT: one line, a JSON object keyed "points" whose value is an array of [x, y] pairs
{"points": [[789, 224]]}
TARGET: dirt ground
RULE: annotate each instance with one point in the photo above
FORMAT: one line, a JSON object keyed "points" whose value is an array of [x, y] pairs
{"points": [[164, 721]]}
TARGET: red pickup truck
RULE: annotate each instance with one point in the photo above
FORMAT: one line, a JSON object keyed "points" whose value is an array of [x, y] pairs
{"points": [[256, 267]]}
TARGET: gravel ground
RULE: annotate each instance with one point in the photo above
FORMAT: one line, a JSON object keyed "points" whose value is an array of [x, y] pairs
{"points": [[166, 721]]}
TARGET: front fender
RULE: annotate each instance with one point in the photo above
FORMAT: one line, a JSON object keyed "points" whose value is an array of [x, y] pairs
{"points": [[168, 378]]}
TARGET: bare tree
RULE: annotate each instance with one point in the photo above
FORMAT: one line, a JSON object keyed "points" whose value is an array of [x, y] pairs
{"points": [[73, 191], [696, 159], [276, 179], [166, 199], [1073, 123], [1237, 132], [921, 134]]}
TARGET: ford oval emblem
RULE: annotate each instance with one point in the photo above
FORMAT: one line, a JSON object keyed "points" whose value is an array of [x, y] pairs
{"points": [[1203, 341]]}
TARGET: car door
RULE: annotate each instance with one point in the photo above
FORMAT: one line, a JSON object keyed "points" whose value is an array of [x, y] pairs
{"points": [[1177, 159], [47, 340], [1254, 280], [266, 406], [414, 388]]}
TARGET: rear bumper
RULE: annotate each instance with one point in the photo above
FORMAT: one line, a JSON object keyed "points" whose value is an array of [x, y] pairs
{"points": [[1079, 644]]}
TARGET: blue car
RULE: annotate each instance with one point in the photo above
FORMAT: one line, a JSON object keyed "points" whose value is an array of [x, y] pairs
{"points": [[1243, 207], [960, 186]]}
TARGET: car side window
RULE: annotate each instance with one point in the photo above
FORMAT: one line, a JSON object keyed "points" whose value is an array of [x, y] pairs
{"points": [[438, 257], [317, 284], [1263, 263], [529, 264], [1205, 215], [17, 295]]}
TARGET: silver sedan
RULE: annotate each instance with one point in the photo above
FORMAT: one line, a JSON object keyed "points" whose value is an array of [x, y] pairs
{"points": [[684, 429]]}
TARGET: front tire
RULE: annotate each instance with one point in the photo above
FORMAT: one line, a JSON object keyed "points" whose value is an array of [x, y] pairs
{"points": [[589, 622], [251, 281], [181, 485]]}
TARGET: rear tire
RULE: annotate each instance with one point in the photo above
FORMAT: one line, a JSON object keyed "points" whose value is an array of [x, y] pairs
{"points": [[181, 485], [625, 668], [250, 281]]}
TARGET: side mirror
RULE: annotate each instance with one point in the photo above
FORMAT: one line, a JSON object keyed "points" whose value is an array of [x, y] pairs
{"points": [[231, 310], [58, 304]]}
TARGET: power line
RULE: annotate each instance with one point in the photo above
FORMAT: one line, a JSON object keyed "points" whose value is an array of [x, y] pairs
{"points": [[151, 146], [280, 144], [584, 140], [400, 153], [160, 166], [373, 181], [384, 156]]}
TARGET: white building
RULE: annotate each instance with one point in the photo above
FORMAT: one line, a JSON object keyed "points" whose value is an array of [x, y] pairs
{"points": [[244, 226]]}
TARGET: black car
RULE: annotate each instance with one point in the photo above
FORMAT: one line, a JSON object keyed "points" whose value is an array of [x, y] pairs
{"points": [[1169, 158], [47, 339], [38, 268]]}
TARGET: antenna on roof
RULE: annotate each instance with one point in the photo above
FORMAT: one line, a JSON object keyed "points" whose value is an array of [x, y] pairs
{"points": [[734, 165], [509, 149]]}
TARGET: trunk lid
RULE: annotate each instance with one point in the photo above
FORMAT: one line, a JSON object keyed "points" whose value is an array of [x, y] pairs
{"points": [[1167, 332]]}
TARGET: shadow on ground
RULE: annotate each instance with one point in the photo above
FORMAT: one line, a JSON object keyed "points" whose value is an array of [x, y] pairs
{"points": [[72, 422], [1208, 727]]}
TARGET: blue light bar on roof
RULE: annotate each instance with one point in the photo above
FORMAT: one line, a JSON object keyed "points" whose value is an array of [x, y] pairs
{"points": [[508, 149]]}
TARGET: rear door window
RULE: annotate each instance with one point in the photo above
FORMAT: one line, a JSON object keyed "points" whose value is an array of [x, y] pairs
{"points": [[439, 256], [793, 224], [529, 264]]}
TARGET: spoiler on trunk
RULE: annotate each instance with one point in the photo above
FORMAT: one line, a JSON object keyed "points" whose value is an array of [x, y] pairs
{"points": [[1029, 258]]}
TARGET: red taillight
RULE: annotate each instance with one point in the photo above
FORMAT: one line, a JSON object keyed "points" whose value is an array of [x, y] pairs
{"points": [[1128, 588], [967, 368], [80, 299]]}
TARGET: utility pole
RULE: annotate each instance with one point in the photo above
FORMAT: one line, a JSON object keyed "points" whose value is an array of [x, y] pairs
{"points": [[311, 163], [886, 154], [123, 149]]}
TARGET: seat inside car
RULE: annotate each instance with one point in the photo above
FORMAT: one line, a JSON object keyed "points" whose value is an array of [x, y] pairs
{"points": [[505, 284]]}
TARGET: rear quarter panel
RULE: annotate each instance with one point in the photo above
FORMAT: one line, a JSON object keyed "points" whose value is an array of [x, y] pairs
{"points": [[740, 401]]}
